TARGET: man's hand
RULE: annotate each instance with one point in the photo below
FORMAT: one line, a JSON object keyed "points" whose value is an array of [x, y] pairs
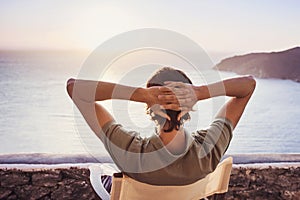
{"points": [[158, 104], [184, 96]]}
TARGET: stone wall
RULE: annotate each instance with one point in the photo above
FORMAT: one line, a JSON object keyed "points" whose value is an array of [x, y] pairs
{"points": [[264, 183], [70, 183], [73, 183]]}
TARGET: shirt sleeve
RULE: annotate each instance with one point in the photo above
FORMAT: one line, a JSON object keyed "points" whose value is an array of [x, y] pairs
{"points": [[116, 135], [211, 143], [122, 145]]}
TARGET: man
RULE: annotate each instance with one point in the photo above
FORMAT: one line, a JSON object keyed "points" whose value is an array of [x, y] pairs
{"points": [[177, 157]]}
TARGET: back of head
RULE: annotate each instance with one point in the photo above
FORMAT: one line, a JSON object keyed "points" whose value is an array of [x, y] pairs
{"points": [[162, 75]]}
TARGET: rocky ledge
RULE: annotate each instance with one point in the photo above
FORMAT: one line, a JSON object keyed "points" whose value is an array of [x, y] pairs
{"points": [[73, 183]]}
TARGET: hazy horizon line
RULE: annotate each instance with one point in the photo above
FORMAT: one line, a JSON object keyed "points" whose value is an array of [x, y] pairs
{"points": [[215, 55], [91, 49]]}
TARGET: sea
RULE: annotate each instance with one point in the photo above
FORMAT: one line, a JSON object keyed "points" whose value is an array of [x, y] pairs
{"points": [[37, 116]]}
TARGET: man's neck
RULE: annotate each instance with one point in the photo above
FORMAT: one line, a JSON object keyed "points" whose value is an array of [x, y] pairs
{"points": [[174, 140]]}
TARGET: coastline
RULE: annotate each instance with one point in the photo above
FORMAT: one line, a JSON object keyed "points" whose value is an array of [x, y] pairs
{"points": [[50, 176], [47, 158]]}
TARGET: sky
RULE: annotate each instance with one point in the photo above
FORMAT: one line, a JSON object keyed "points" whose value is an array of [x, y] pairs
{"points": [[219, 26]]}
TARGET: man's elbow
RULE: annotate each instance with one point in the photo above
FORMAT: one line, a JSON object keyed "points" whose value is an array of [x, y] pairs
{"points": [[251, 83], [70, 85]]}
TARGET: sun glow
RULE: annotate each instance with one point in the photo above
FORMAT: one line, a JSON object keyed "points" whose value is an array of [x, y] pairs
{"points": [[225, 26], [95, 25]]}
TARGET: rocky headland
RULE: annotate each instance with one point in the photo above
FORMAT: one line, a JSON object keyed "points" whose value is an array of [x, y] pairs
{"points": [[281, 65]]}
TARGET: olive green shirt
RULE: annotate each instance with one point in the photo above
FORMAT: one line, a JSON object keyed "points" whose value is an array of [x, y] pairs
{"points": [[148, 160]]}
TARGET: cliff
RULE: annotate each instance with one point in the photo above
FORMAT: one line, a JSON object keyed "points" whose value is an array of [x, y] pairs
{"points": [[282, 65]]}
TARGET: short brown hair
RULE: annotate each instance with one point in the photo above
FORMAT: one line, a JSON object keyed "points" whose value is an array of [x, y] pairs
{"points": [[158, 79]]}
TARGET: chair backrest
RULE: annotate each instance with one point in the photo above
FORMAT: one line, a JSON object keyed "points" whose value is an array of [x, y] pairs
{"points": [[126, 188]]}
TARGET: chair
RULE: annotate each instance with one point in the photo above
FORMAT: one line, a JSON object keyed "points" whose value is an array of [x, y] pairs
{"points": [[126, 188]]}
